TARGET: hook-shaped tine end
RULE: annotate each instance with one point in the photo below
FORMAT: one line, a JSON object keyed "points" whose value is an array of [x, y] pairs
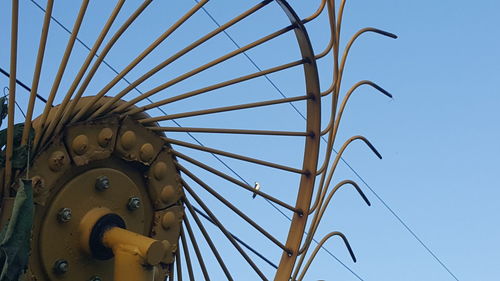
{"points": [[380, 89], [370, 145], [385, 33], [361, 193], [346, 242]]}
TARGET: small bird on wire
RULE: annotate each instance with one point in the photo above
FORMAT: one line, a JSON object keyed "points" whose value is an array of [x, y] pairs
{"points": [[256, 187]]}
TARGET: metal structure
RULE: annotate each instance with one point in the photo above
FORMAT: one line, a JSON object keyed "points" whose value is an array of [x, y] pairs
{"points": [[113, 191]]}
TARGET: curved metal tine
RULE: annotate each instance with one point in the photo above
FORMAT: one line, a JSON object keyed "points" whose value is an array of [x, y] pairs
{"points": [[231, 131], [97, 44], [132, 102], [239, 240], [208, 239], [100, 59], [60, 72], [235, 181], [37, 71], [214, 87], [333, 131], [235, 156], [197, 251], [222, 109], [319, 215], [351, 42], [321, 189], [187, 256], [344, 102], [177, 55], [12, 98], [223, 229], [178, 265], [320, 244], [139, 58], [232, 207]]}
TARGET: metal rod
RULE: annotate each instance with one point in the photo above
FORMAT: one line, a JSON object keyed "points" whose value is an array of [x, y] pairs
{"points": [[60, 72], [239, 240], [97, 44], [233, 155], [233, 180], [179, 54], [178, 265], [12, 98], [320, 244], [223, 230], [214, 87], [187, 255], [199, 69], [138, 59], [36, 73], [230, 131], [208, 239], [232, 207], [197, 251], [222, 109], [100, 59]]}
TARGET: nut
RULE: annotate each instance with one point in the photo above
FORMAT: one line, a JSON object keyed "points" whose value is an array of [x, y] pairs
{"points": [[80, 144], [128, 140], [102, 183], [64, 215], [147, 152], [105, 136], [134, 203], [61, 266]]}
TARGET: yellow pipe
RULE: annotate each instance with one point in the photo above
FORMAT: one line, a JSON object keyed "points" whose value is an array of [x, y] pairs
{"points": [[135, 254]]}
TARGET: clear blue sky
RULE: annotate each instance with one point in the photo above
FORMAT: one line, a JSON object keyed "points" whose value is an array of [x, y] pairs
{"points": [[438, 135]]}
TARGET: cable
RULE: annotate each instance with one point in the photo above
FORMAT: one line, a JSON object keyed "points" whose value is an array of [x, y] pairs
{"points": [[405, 225]]}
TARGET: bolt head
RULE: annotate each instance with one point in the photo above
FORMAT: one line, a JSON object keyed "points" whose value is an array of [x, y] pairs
{"points": [[64, 215], [102, 183], [95, 278], [61, 266], [134, 203]]}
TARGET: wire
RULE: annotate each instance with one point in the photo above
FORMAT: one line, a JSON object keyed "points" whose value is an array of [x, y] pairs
{"points": [[405, 225]]}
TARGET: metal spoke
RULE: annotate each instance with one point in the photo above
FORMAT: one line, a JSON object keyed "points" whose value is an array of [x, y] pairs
{"points": [[187, 256], [12, 98], [223, 109], [223, 229], [60, 71], [232, 207], [214, 87], [208, 239], [179, 54], [235, 181], [138, 59], [235, 156], [197, 251]]}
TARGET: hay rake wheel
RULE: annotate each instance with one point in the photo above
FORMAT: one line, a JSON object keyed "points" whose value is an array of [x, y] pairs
{"points": [[114, 150]]}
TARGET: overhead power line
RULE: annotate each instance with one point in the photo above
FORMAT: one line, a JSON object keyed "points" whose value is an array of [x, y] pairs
{"points": [[398, 218]]}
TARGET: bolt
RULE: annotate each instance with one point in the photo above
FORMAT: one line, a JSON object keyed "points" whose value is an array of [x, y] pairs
{"points": [[102, 183], [95, 278], [134, 203], [61, 266], [64, 215]]}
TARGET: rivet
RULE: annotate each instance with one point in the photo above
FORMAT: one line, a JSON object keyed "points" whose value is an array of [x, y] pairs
{"points": [[128, 140], [147, 152], [168, 220], [134, 203], [160, 170], [61, 266], [102, 183], [64, 215], [167, 193], [56, 161], [105, 136], [80, 144]]}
